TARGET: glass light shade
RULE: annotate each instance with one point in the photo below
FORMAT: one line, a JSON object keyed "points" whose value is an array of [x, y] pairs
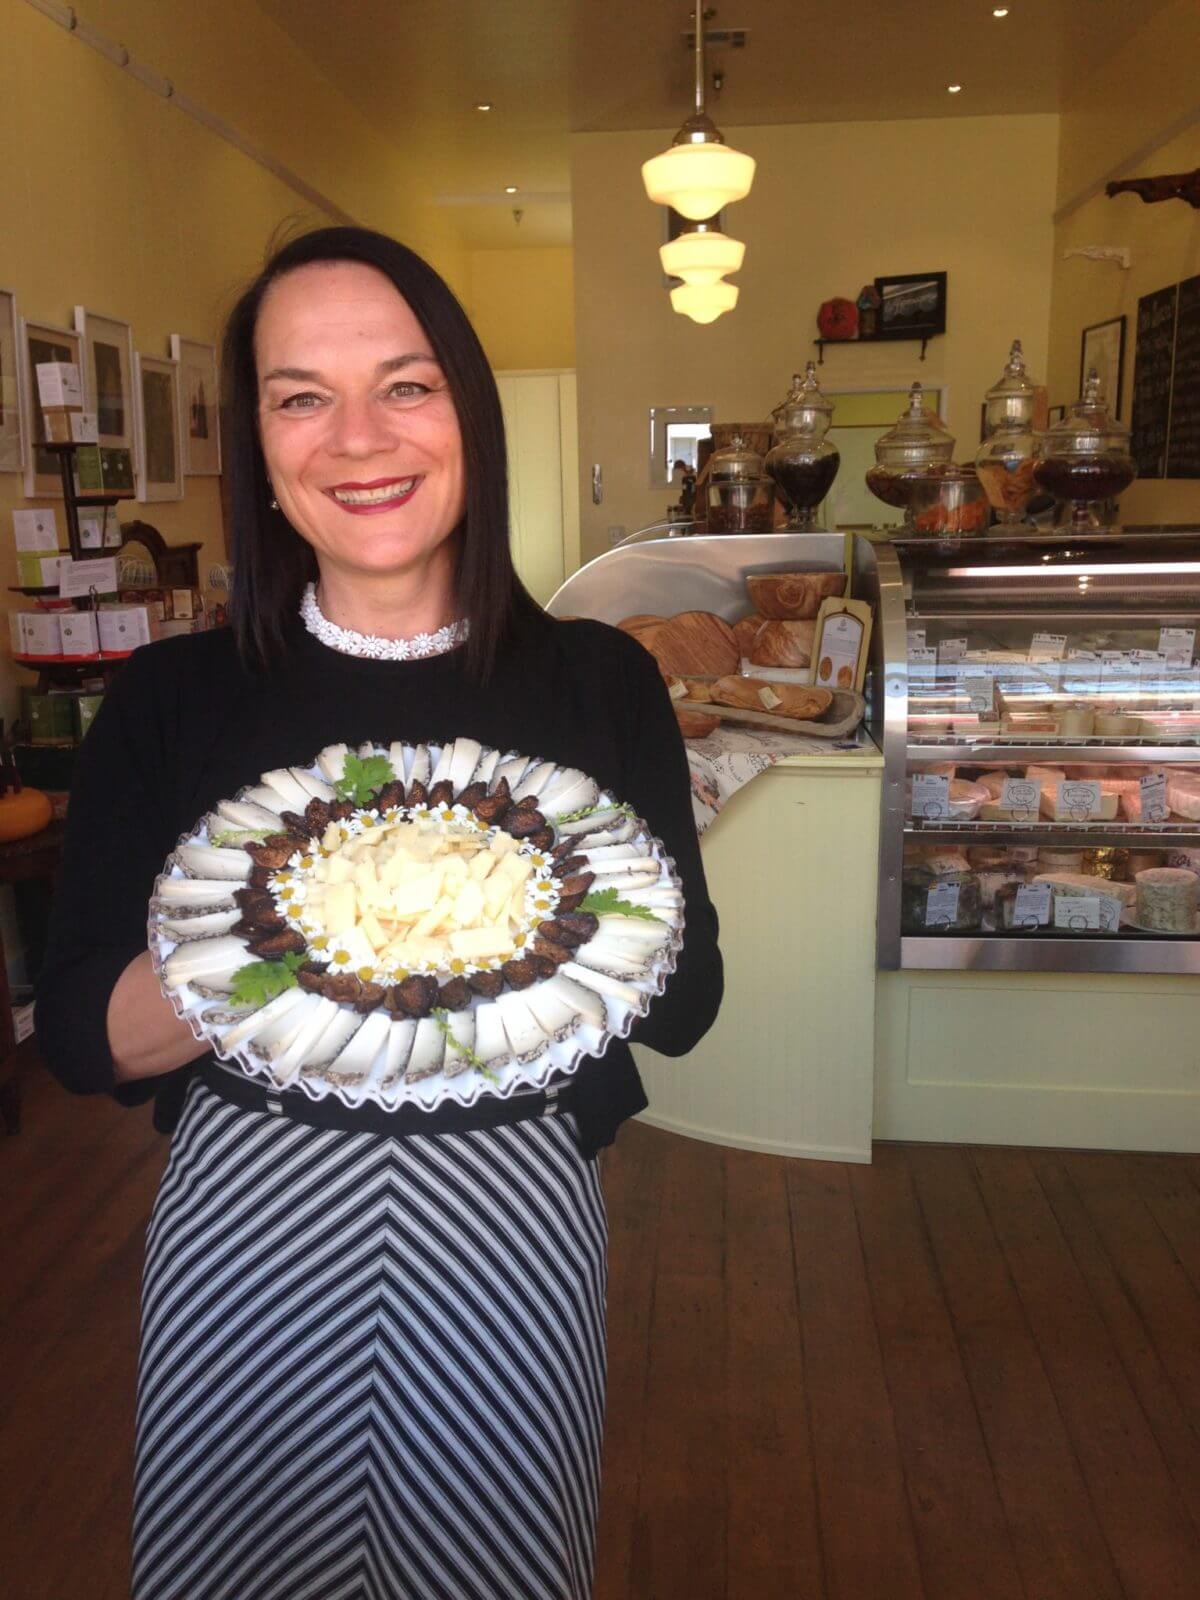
{"points": [[701, 257], [698, 179], [704, 302]]}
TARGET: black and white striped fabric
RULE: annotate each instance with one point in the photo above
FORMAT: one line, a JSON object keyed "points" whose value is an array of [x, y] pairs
{"points": [[371, 1368]]}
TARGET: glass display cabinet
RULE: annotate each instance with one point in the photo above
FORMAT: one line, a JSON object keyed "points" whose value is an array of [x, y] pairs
{"points": [[1042, 754]]}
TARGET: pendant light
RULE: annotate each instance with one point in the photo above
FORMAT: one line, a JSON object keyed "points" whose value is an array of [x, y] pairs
{"points": [[699, 173], [701, 255], [704, 302]]}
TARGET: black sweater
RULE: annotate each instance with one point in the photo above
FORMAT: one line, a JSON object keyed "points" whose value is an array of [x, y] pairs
{"points": [[185, 725]]}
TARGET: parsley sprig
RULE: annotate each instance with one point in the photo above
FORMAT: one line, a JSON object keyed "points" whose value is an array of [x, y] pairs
{"points": [[590, 811], [362, 779], [260, 981], [607, 903], [442, 1018]]}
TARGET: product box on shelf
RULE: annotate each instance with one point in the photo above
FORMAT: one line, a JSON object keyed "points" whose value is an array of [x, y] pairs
{"points": [[80, 635], [124, 627], [85, 708], [35, 571], [50, 718], [60, 396], [104, 469], [41, 633]]}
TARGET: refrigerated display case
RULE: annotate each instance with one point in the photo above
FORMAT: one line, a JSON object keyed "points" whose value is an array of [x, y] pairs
{"points": [[1042, 755]]}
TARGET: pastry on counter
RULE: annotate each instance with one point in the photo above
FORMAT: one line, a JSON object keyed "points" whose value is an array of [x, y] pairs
{"points": [[778, 699], [784, 596]]}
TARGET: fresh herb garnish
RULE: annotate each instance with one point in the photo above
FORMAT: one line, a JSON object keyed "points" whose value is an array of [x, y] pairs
{"points": [[590, 811], [607, 903], [442, 1018], [361, 780], [260, 981], [236, 836]]}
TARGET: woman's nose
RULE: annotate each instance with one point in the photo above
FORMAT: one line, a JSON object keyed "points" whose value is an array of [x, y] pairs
{"points": [[358, 428]]}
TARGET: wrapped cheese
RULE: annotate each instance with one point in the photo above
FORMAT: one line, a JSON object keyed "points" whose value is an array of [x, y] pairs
{"points": [[1183, 794], [1053, 809], [1082, 883]]}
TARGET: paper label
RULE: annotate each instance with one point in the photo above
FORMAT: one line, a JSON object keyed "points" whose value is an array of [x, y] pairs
{"points": [[1048, 647], [1078, 799], [837, 655], [1154, 797], [1023, 797], [1080, 913], [916, 639], [1031, 908], [978, 688], [922, 664], [59, 384], [952, 650], [1178, 645], [84, 428], [81, 577], [941, 905], [930, 796], [35, 530]]}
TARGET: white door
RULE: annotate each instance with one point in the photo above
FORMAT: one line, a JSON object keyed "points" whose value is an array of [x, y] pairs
{"points": [[540, 422]]}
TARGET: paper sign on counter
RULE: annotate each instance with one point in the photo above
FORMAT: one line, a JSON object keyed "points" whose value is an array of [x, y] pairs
{"points": [[1154, 797], [1178, 645], [941, 905], [1080, 913], [1031, 907], [922, 664], [930, 797], [81, 577]]}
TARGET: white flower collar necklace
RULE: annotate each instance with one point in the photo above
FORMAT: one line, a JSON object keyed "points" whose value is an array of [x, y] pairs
{"points": [[373, 645]]}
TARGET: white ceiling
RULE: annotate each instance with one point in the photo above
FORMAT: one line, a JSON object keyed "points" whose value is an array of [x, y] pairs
{"points": [[554, 67]]}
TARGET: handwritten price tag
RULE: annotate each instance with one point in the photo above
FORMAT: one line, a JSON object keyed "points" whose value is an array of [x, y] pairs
{"points": [[951, 651], [1031, 908], [979, 689], [1154, 797], [1023, 797], [1079, 799], [1079, 913], [941, 905], [922, 664], [1178, 645], [1048, 647]]}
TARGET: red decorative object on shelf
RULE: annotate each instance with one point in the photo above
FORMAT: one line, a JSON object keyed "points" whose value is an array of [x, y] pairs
{"points": [[838, 319]]}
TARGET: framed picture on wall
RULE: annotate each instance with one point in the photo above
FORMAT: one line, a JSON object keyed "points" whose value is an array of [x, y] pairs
{"points": [[12, 387], [1103, 346], [201, 412], [159, 446], [108, 375], [912, 305], [43, 342]]}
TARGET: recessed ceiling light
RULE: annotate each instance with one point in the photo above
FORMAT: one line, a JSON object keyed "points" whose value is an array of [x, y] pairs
{"points": [[510, 188], [954, 88], [999, 11], [483, 105]]}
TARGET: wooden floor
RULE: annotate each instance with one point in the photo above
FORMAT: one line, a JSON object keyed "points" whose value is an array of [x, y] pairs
{"points": [[958, 1374]]}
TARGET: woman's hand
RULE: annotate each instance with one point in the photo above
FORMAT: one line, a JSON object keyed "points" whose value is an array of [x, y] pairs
{"points": [[144, 1034]]}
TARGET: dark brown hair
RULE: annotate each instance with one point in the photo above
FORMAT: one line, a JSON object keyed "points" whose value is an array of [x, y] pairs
{"points": [[271, 562]]}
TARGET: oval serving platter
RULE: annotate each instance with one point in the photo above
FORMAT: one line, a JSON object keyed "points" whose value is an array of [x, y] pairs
{"points": [[415, 923]]}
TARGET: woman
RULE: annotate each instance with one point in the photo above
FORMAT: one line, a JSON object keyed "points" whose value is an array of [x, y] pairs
{"points": [[372, 1344]]}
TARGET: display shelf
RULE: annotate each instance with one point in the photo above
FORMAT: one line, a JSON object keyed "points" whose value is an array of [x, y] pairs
{"points": [[922, 340], [1087, 835], [1050, 950], [982, 755], [72, 661]]}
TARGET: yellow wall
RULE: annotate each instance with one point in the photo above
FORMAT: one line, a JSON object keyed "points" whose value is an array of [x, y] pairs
{"points": [[522, 303], [1148, 86], [118, 201], [833, 205]]}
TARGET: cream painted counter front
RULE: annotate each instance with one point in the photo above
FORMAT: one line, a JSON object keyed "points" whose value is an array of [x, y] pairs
{"points": [[788, 1067]]}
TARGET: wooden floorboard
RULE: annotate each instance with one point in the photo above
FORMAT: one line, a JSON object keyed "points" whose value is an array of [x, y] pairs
{"points": [[953, 1375]]}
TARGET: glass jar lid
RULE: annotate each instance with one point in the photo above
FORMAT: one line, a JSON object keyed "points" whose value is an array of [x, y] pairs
{"points": [[737, 463], [917, 440], [806, 409], [1012, 399], [1089, 428]]}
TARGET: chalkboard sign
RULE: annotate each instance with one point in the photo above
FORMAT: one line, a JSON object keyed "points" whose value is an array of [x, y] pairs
{"points": [[1153, 361], [1183, 444]]}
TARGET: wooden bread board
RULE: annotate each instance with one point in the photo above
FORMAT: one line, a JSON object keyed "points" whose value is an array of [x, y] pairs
{"points": [[843, 716]]}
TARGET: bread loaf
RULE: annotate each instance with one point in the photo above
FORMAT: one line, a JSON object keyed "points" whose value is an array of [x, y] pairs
{"points": [[783, 644], [791, 596], [696, 724], [746, 631], [695, 644], [776, 699]]}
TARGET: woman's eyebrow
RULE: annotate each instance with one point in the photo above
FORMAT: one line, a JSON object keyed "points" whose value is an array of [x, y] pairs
{"points": [[304, 375]]}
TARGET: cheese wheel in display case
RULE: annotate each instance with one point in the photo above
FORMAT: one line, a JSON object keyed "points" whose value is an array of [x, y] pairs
{"points": [[1167, 900]]}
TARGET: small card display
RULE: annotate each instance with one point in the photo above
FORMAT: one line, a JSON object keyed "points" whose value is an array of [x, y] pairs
{"points": [[1079, 799], [79, 578], [1048, 647], [930, 797], [1154, 797], [941, 905], [1031, 906], [1023, 797], [1178, 645]]}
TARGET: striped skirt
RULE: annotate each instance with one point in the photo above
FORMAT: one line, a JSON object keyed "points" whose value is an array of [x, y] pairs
{"points": [[371, 1368]]}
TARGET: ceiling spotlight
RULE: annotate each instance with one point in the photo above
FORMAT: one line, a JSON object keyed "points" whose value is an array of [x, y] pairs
{"points": [[486, 105], [954, 88], [510, 188], [999, 11]]}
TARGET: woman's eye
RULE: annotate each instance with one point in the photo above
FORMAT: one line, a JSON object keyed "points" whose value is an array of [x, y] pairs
{"points": [[300, 402], [407, 390]]}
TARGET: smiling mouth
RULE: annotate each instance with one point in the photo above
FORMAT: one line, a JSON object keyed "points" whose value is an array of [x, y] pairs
{"points": [[374, 494]]}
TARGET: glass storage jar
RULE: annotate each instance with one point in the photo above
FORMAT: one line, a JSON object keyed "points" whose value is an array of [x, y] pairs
{"points": [[917, 442], [741, 498], [1008, 455], [802, 463], [1085, 461]]}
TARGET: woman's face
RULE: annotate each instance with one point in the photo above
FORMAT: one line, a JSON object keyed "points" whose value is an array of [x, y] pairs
{"points": [[358, 429]]}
